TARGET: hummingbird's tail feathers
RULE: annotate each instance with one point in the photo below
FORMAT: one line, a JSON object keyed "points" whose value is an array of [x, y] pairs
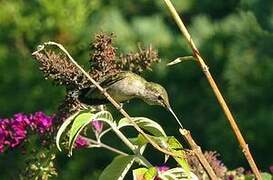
{"points": [[86, 97]]}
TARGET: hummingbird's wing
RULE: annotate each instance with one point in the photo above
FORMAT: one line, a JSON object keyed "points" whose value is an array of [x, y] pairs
{"points": [[92, 96], [108, 81]]}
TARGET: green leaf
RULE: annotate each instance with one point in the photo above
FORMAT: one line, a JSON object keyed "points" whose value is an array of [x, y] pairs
{"points": [[182, 161], [105, 116], [168, 142], [62, 129], [174, 143], [83, 119], [150, 174], [118, 168], [147, 124], [176, 148], [138, 174], [266, 176], [177, 174], [140, 140]]}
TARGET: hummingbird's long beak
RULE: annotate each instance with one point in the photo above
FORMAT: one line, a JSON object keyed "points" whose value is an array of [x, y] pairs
{"points": [[170, 109]]}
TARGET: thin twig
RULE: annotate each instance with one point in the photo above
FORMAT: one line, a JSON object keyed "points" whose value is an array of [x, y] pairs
{"points": [[100, 144], [116, 104], [198, 152], [181, 59], [215, 89]]}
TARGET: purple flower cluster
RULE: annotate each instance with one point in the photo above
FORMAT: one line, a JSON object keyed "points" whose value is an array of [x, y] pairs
{"points": [[271, 169], [81, 142], [97, 126], [162, 168], [41, 122], [14, 131]]}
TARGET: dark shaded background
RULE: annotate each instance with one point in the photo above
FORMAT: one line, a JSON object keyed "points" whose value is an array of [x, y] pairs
{"points": [[235, 37]]}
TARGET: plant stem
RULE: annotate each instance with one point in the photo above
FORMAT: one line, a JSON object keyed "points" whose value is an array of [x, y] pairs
{"points": [[127, 142], [131, 146], [227, 112], [100, 144], [124, 139], [198, 152], [109, 98]]}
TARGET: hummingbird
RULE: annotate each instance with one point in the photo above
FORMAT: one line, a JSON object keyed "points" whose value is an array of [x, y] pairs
{"points": [[124, 86]]}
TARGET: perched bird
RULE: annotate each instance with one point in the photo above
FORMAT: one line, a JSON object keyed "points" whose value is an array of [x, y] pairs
{"points": [[124, 86]]}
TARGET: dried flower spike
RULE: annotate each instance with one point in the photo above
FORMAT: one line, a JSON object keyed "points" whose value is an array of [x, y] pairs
{"points": [[211, 156], [58, 68], [138, 62], [102, 56], [219, 168]]}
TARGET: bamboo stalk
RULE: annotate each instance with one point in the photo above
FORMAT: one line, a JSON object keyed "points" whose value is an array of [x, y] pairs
{"points": [[227, 112], [198, 152]]}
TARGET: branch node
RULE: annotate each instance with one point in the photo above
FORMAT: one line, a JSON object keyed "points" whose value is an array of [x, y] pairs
{"points": [[205, 68], [245, 149]]}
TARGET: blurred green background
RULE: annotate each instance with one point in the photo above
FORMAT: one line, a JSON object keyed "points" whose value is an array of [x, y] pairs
{"points": [[235, 37]]}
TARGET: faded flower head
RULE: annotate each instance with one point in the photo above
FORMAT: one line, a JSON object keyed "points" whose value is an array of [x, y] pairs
{"points": [[40, 165], [238, 173], [58, 68], [139, 61], [68, 107], [103, 56], [218, 167]]}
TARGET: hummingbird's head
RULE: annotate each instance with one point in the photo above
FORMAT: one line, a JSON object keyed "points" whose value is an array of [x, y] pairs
{"points": [[155, 94]]}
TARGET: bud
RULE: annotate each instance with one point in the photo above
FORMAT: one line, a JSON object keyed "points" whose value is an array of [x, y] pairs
{"points": [[81, 142], [97, 126]]}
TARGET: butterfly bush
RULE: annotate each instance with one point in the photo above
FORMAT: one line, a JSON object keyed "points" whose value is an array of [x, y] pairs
{"points": [[41, 122], [15, 130]]}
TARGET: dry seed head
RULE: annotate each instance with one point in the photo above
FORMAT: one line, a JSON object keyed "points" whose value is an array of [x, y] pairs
{"points": [[58, 68], [102, 56], [139, 61]]}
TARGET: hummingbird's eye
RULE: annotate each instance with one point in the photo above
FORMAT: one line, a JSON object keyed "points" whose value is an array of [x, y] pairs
{"points": [[160, 98]]}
